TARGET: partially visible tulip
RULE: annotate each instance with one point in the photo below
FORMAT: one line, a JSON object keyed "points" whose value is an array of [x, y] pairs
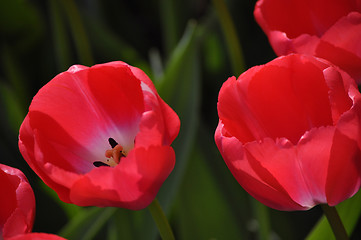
{"points": [[17, 203], [290, 132], [17, 207], [36, 236], [100, 136], [327, 29]]}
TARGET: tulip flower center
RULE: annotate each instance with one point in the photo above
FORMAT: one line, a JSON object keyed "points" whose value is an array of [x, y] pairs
{"points": [[113, 155]]}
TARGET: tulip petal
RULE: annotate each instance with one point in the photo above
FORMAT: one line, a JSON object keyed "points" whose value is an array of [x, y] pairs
{"points": [[279, 166], [276, 92], [170, 118], [33, 155], [340, 101], [118, 93], [108, 105], [344, 171], [8, 188], [343, 179], [264, 98], [249, 176], [297, 17], [314, 150], [343, 33], [341, 45], [150, 130], [240, 123]]}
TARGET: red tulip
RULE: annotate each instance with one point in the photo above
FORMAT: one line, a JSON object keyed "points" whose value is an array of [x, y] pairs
{"points": [[17, 207], [290, 132], [326, 29], [100, 136], [36, 236], [17, 203]]}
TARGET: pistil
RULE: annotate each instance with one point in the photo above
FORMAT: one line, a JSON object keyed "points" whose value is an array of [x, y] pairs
{"points": [[115, 154]]}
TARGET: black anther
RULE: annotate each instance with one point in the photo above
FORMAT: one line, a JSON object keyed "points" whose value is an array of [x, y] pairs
{"points": [[99, 164], [112, 142]]}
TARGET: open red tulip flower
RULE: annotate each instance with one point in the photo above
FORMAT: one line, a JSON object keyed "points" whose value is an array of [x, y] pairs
{"points": [[329, 29], [17, 207], [290, 132], [100, 136]]}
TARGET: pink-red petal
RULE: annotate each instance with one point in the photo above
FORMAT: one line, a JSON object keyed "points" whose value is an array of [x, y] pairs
{"points": [[341, 44], [248, 177], [264, 98], [345, 166], [118, 93], [298, 17]]}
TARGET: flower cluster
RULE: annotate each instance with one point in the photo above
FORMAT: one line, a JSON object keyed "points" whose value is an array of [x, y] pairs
{"points": [[290, 130]]}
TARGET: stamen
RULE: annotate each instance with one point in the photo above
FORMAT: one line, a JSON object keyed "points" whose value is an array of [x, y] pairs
{"points": [[113, 155], [112, 142]]}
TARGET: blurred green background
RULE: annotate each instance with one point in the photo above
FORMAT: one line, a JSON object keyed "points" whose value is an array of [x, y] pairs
{"points": [[188, 48]]}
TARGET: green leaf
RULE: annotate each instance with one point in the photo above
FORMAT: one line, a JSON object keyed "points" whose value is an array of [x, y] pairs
{"points": [[215, 58], [60, 38], [237, 198], [262, 217], [203, 210], [107, 43], [167, 84], [11, 106], [87, 224], [122, 226], [20, 23], [14, 75], [349, 211], [180, 88], [229, 30], [78, 32], [169, 21], [71, 210], [156, 63]]}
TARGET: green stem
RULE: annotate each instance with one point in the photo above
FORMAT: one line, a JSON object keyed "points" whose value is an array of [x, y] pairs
{"points": [[335, 222], [161, 220]]}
